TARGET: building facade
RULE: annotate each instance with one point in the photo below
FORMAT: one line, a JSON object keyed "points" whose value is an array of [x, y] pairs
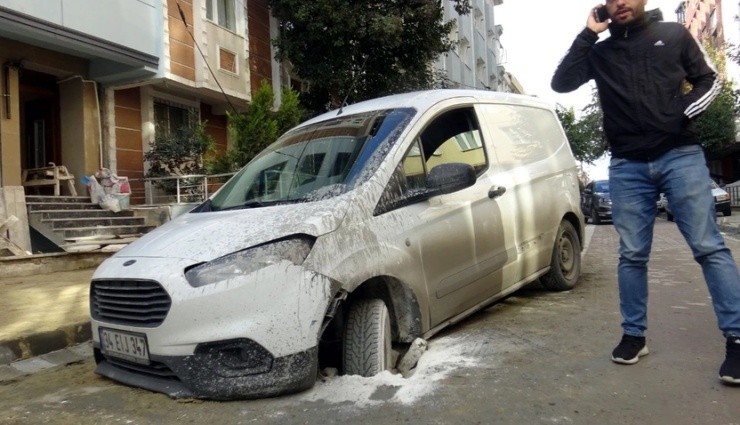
{"points": [[89, 84], [475, 60]]}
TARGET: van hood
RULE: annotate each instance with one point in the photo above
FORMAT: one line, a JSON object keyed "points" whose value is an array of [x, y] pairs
{"points": [[204, 236]]}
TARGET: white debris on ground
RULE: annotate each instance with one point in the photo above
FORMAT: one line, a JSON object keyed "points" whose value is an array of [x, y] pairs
{"points": [[443, 356], [408, 361]]}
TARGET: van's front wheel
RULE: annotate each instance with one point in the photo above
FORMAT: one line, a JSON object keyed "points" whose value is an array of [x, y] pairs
{"points": [[565, 266], [367, 346]]}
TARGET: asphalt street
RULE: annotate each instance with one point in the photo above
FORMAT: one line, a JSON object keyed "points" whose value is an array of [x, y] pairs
{"points": [[536, 357]]}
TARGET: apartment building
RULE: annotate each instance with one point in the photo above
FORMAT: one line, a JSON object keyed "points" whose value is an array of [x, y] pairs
{"points": [[475, 60], [88, 84]]}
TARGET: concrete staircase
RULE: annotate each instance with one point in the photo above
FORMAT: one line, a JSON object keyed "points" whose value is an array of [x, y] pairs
{"points": [[75, 224]]}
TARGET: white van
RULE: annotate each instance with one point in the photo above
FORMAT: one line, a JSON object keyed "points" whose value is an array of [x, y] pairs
{"points": [[352, 235]]}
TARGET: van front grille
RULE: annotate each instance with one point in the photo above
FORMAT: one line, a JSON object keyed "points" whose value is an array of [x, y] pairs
{"points": [[129, 302]]}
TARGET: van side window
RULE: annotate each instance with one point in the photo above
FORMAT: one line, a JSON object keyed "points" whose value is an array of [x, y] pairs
{"points": [[452, 137], [522, 134]]}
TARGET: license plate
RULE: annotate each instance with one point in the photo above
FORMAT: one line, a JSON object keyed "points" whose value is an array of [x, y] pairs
{"points": [[124, 345]]}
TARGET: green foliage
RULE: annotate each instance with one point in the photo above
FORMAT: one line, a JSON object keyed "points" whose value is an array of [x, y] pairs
{"points": [[290, 112], [257, 127], [356, 50], [178, 153], [585, 135], [716, 126]]}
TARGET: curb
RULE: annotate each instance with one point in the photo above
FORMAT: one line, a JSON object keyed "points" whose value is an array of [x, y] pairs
{"points": [[27, 346], [75, 354], [50, 263], [729, 228]]}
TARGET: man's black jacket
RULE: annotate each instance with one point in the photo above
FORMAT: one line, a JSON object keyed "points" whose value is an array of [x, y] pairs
{"points": [[638, 72]]}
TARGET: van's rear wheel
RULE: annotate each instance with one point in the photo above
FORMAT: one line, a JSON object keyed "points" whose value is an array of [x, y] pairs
{"points": [[367, 347], [565, 266]]}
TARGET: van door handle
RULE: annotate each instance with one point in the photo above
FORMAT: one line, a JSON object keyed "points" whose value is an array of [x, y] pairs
{"points": [[496, 191]]}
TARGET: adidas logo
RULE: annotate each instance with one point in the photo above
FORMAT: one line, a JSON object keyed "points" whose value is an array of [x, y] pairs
{"points": [[659, 43]]}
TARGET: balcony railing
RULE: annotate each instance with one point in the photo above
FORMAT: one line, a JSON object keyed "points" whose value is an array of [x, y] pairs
{"points": [[193, 188]]}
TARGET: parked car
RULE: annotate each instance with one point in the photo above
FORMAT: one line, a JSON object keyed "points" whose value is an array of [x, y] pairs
{"points": [[722, 202], [354, 233], [595, 201]]}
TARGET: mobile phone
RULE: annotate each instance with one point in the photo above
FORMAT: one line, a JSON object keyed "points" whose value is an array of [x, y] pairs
{"points": [[601, 14]]}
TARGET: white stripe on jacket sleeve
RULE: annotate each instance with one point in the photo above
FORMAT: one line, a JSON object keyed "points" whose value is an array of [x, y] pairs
{"points": [[701, 104]]}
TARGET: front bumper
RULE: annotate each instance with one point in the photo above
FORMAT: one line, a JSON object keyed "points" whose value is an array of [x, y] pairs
{"points": [[204, 374], [604, 212], [723, 206], [251, 336]]}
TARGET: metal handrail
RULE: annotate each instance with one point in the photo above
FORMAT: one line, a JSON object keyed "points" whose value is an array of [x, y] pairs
{"points": [[203, 185]]}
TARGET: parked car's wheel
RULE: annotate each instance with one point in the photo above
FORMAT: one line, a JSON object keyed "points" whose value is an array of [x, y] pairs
{"points": [[727, 212], [367, 338], [595, 216], [668, 216], [565, 266]]}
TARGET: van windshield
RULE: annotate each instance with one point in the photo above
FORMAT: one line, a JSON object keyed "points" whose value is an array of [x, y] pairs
{"points": [[314, 162]]}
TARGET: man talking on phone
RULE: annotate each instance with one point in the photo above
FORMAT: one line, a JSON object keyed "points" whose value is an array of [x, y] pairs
{"points": [[639, 70]]}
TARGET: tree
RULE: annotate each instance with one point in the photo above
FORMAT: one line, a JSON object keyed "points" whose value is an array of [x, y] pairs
{"points": [[716, 126], [585, 135], [257, 127], [356, 50], [179, 153]]}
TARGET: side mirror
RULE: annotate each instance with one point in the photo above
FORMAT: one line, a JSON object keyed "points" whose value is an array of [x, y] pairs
{"points": [[451, 177]]}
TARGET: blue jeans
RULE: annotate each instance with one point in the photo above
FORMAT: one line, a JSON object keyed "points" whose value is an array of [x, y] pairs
{"points": [[682, 175]]}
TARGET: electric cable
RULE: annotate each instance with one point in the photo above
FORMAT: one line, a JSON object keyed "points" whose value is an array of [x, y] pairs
{"points": [[185, 22]]}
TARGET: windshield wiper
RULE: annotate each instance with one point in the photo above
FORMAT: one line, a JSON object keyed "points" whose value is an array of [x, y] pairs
{"points": [[252, 203]]}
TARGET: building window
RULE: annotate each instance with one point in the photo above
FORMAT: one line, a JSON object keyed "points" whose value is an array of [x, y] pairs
{"points": [[170, 117], [227, 60], [478, 20], [221, 12], [463, 49]]}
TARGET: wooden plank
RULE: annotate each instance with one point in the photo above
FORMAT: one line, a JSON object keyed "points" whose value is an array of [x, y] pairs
{"points": [[14, 198]]}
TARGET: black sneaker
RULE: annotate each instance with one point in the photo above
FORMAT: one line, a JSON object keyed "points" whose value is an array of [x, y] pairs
{"points": [[729, 373], [630, 349]]}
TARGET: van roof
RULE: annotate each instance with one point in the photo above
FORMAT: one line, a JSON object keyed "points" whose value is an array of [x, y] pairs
{"points": [[423, 100]]}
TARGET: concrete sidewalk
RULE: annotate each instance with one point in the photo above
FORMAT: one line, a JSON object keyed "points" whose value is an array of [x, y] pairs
{"points": [[44, 305]]}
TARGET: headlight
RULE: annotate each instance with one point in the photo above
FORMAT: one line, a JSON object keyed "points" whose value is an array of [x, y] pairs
{"points": [[605, 201], [293, 249], [722, 198]]}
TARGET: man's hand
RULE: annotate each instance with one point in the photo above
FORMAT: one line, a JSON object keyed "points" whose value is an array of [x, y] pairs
{"points": [[593, 24]]}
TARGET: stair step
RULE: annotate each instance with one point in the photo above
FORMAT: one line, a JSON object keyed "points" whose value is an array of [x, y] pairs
{"points": [[66, 223], [100, 241], [55, 206], [57, 199], [108, 231], [77, 225], [89, 213]]}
